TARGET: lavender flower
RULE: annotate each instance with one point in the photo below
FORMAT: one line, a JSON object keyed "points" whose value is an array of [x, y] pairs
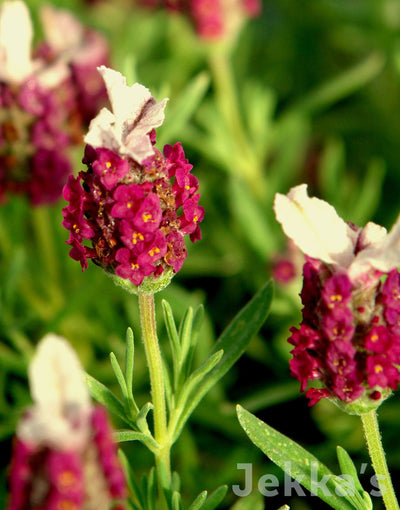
{"points": [[212, 19], [134, 204], [64, 455], [348, 341], [44, 99]]}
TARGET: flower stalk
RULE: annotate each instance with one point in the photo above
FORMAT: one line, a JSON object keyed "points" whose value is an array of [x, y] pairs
{"points": [[227, 99], [377, 454], [154, 362]]}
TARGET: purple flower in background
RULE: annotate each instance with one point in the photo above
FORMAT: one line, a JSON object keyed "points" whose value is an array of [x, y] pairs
{"points": [[346, 301], [43, 103], [212, 19], [134, 204], [64, 455]]}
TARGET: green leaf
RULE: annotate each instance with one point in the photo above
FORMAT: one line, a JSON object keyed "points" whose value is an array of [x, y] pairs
{"points": [[347, 467], [141, 420], [294, 460], [195, 380], [260, 106], [173, 339], [215, 498], [176, 501], [152, 490], [129, 364], [185, 332], [254, 501], [251, 217], [342, 85], [233, 342], [104, 396], [196, 325], [130, 479], [119, 375], [183, 108], [132, 435], [330, 169], [369, 192], [9, 360], [165, 482], [199, 501]]}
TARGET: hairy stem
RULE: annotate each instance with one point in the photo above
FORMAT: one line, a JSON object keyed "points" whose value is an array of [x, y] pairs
{"points": [[154, 362], [377, 454]]}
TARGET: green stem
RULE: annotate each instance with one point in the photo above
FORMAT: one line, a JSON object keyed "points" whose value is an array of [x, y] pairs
{"points": [[227, 100], [377, 454], [44, 238], [154, 362]]}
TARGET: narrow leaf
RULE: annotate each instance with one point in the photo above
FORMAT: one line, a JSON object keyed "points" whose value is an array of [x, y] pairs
{"points": [[294, 460], [129, 364], [199, 501], [152, 490], [183, 108], [141, 420], [362, 499], [130, 479], [233, 342], [165, 482], [176, 501], [104, 396], [173, 339], [215, 498], [253, 501], [196, 378], [119, 375], [185, 333], [132, 435]]}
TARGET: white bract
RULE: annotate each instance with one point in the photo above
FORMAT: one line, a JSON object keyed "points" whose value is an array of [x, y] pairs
{"points": [[16, 35], [16, 64], [134, 114], [319, 232], [62, 31], [59, 417]]}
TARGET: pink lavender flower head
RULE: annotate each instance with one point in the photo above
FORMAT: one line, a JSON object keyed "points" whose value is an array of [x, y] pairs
{"points": [[46, 95], [33, 107], [213, 20], [63, 448], [129, 212], [350, 299]]}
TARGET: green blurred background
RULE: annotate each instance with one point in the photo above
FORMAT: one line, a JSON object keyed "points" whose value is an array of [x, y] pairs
{"points": [[316, 87]]}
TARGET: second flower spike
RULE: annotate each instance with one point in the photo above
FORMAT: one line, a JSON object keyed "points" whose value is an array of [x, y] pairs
{"points": [[64, 453], [348, 345]]}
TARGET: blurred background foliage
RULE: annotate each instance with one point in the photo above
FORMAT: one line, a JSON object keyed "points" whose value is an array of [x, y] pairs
{"points": [[308, 92]]}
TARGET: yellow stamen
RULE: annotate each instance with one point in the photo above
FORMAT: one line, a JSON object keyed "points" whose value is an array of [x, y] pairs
{"points": [[147, 217], [137, 236]]}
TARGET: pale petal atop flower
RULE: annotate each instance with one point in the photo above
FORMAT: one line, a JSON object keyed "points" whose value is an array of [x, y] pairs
{"points": [[134, 114], [60, 395], [15, 42], [62, 31], [384, 253], [314, 226]]}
